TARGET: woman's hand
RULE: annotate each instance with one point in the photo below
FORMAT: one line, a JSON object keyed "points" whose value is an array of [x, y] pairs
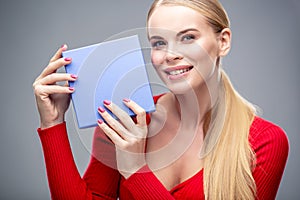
{"points": [[128, 136], [53, 100]]}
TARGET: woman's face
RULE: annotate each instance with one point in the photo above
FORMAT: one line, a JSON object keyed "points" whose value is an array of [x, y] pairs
{"points": [[185, 48]]}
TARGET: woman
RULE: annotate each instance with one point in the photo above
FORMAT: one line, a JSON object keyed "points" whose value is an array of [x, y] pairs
{"points": [[203, 142]]}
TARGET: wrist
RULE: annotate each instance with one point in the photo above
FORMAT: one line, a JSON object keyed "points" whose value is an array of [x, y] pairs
{"points": [[50, 121], [45, 125]]}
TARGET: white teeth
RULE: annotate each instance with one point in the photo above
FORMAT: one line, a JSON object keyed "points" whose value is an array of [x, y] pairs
{"points": [[179, 71]]}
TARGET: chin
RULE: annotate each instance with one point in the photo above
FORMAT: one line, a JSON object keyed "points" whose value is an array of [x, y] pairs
{"points": [[180, 88]]}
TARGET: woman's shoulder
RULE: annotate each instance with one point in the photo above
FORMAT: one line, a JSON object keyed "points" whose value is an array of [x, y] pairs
{"points": [[160, 98], [163, 102], [264, 132], [261, 125], [157, 97]]}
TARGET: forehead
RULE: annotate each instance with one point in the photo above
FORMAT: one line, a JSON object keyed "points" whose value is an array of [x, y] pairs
{"points": [[175, 18]]}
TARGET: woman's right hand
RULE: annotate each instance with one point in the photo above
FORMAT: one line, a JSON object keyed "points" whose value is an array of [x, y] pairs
{"points": [[52, 99]]}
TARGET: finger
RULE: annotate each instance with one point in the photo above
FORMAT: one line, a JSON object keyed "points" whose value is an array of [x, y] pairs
{"points": [[57, 77], [138, 110], [55, 65], [46, 90], [115, 138], [58, 53], [123, 116], [114, 124]]}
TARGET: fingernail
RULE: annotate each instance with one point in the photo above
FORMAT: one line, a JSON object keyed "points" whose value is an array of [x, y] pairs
{"points": [[71, 88], [126, 100], [68, 59], [63, 47], [100, 109], [100, 121], [106, 102], [73, 76]]}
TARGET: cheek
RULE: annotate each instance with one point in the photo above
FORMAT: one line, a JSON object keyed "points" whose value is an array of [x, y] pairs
{"points": [[203, 60], [157, 57], [211, 48], [197, 55]]}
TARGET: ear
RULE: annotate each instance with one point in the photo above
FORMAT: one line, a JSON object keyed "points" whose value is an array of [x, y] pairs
{"points": [[224, 42]]}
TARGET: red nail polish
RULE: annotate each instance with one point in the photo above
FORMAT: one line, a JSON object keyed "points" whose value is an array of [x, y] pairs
{"points": [[106, 102], [71, 89], [100, 109], [73, 76], [100, 121], [63, 47], [126, 100], [68, 59]]}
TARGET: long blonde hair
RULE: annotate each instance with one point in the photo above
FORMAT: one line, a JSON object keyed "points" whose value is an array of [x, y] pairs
{"points": [[228, 157]]}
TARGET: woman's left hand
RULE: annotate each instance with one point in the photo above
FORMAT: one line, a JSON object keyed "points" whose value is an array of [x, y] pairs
{"points": [[129, 137]]}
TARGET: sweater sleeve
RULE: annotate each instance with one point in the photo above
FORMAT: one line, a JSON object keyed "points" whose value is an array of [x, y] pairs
{"points": [[271, 148], [64, 179], [144, 185]]}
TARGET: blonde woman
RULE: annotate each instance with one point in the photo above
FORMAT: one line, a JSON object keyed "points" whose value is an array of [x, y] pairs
{"points": [[203, 142]]}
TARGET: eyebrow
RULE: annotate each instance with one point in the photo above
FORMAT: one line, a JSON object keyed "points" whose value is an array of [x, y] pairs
{"points": [[156, 37], [177, 35], [186, 30]]}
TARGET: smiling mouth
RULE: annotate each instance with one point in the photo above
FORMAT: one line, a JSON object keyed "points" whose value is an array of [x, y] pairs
{"points": [[179, 71]]}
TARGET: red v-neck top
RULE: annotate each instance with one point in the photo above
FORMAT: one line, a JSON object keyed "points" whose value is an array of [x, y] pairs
{"points": [[102, 181]]}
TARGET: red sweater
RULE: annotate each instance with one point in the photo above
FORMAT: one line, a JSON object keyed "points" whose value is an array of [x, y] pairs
{"points": [[102, 181]]}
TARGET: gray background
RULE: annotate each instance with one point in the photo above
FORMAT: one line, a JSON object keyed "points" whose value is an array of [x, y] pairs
{"points": [[263, 65]]}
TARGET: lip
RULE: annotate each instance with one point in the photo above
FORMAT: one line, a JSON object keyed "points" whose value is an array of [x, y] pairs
{"points": [[185, 69]]}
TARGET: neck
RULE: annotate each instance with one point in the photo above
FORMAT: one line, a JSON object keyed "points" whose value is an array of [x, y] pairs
{"points": [[193, 105]]}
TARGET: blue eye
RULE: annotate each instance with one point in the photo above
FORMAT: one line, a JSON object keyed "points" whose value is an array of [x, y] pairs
{"points": [[188, 38], [158, 44]]}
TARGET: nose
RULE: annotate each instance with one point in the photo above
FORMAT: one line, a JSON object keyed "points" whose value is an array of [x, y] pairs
{"points": [[172, 56]]}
